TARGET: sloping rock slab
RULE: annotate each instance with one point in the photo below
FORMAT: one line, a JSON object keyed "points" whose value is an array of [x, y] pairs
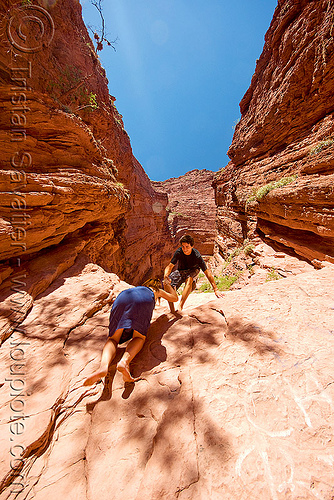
{"points": [[234, 400]]}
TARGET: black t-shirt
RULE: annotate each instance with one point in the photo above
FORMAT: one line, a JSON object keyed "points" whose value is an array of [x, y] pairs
{"points": [[187, 262]]}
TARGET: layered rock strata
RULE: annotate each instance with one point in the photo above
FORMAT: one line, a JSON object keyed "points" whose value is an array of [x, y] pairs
{"points": [[191, 207], [69, 183], [279, 182]]}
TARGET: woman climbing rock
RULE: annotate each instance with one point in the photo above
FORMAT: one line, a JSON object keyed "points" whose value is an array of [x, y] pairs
{"points": [[130, 318]]}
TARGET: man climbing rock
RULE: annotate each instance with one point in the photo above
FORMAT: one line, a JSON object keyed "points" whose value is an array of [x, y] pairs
{"points": [[188, 263]]}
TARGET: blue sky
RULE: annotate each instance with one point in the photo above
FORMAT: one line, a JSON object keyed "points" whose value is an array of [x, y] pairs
{"points": [[179, 71]]}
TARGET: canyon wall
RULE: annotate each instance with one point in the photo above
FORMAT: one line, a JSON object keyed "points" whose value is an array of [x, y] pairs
{"points": [[279, 182], [69, 182], [191, 208]]}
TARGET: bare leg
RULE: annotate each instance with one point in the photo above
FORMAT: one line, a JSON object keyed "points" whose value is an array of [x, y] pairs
{"points": [[170, 289], [132, 349], [186, 292], [108, 355], [171, 307]]}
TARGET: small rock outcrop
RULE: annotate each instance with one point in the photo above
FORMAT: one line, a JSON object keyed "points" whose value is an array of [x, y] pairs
{"points": [[191, 207], [279, 183]]}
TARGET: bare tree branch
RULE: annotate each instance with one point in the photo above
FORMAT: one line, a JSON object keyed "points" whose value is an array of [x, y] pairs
{"points": [[100, 35]]}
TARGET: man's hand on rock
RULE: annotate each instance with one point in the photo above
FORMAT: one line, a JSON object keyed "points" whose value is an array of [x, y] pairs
{"points": [[219, 294]]}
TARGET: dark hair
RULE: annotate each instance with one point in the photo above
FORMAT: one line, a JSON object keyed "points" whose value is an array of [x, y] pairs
{"points": [[186, 238], [154, 283]]}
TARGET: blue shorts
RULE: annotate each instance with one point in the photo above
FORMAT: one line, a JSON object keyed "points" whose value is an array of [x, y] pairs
{"points": [[132, 310]]}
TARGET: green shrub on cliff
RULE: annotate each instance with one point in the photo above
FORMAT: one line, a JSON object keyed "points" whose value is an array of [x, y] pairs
{"points": [[322, 145], [273, 275], [262, 191], [223, 282], [248, 249]]}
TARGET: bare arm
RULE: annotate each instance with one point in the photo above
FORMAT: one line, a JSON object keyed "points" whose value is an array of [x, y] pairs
{"points": [[168, 270], [211, 279]]}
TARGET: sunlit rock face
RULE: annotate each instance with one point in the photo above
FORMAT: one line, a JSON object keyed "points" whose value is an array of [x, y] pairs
{"points": [[69, 183], [285, 135], [191, 207], [233, 397]]}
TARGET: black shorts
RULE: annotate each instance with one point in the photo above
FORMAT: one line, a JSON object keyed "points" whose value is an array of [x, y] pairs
{"points": [[127, 334], [178, 277]]}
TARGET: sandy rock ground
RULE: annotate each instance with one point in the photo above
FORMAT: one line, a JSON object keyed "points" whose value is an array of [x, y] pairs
{"points": [[253, 264], [234, 397]]}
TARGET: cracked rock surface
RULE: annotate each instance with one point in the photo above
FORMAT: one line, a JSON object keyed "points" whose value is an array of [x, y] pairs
{"points": [[234, 398]]}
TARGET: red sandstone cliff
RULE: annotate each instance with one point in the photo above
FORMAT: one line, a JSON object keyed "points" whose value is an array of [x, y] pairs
{"points": [[69, 182], [285, 135], [191, 207]]}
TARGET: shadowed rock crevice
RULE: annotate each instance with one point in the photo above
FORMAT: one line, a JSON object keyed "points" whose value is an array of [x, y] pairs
{"points": [[194, 428], [305, 243], [60, 411]]}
